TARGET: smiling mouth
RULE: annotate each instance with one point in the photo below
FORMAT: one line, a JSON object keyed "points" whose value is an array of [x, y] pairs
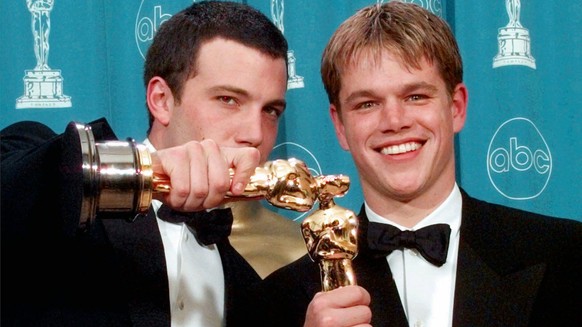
{"points": [[401, 148]]}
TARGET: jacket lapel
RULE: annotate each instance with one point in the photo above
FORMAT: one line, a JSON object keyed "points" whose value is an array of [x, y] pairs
{"points": [[142, 263], [239, 278], [375, 276], [489, 289]]}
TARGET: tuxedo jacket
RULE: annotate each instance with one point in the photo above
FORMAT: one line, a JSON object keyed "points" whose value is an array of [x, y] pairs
{"points": [[53, 274], [514, 269]]}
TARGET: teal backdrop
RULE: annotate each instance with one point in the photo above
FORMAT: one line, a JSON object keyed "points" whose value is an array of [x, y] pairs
{"points": [[523, 62]]}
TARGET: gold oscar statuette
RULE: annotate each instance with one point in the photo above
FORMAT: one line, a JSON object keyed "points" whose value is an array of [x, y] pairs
{"points": [[330, 234]]}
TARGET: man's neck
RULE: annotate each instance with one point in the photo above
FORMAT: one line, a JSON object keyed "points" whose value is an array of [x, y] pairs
{"points": [[408, 212]]}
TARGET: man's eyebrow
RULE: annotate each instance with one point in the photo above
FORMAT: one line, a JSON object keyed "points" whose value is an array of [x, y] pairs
{"points": [[278, 103], [359, 94], [406, 89], [229, 88], [237, 90], [420, 86]]}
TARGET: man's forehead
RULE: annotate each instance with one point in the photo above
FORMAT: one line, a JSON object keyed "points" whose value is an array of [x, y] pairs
{"points": [[374, 58]]}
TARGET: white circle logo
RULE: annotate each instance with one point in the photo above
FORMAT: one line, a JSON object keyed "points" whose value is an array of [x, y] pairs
{"points": [[519, 161], [150, 16]]}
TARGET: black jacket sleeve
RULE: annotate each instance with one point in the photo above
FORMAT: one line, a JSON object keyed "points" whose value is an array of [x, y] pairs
{"points": [[41, 179]]}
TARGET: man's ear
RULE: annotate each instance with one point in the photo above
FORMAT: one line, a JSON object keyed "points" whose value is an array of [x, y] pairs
{"points": [[338, 126], [459, 104], [160, 100]]}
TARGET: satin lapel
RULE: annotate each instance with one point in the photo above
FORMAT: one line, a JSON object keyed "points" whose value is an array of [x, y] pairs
{"points": [[375, 276], [490, 292], [239, 277], [142, 262]]}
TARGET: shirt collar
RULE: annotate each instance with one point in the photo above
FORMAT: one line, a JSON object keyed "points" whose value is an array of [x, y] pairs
{"points": [[448, 212], [149, 145]]}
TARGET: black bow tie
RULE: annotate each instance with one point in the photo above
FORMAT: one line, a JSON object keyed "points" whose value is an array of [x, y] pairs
{"points": [[432, 242], [210, 226]]}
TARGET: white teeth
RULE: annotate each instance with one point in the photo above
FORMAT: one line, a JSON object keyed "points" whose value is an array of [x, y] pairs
{"points": [[402, 148]]}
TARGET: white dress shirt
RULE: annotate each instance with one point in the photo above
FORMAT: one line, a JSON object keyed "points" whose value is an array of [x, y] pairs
{"points": [[427, 291], [195, 274]]}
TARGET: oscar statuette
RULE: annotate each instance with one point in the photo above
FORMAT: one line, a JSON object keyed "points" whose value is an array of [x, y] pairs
{"points": [[330, 234]]}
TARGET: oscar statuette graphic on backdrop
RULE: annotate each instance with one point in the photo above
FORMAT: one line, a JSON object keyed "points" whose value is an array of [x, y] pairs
{"points": [[43, 86], [514, 40], [277, 14]]}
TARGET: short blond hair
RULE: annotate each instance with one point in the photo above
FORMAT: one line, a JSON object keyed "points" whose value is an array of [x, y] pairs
{"points": [[406, 30]]}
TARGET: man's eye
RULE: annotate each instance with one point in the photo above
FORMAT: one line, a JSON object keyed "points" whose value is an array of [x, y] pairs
{"points": [[416, 97], [275, 112], [228, 100], [365, 105]]}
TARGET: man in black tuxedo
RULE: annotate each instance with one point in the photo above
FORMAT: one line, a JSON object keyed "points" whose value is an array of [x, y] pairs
{"points": [[216, 77], [429, 254]]}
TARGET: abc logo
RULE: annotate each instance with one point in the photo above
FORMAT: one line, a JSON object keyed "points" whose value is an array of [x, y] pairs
{"points": [[150, 16], [519, 162]]}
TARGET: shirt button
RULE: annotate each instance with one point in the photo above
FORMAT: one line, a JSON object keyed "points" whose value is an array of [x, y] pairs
{"points": [[419, 323], [181, 305], [186, 236]]}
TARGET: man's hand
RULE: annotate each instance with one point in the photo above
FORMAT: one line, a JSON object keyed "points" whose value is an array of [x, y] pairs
{"points": [[199, 173], [341, 307]]}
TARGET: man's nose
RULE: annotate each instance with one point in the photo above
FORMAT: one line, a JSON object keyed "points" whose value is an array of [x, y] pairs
{"points": [[394, 117], [250, 129]]}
